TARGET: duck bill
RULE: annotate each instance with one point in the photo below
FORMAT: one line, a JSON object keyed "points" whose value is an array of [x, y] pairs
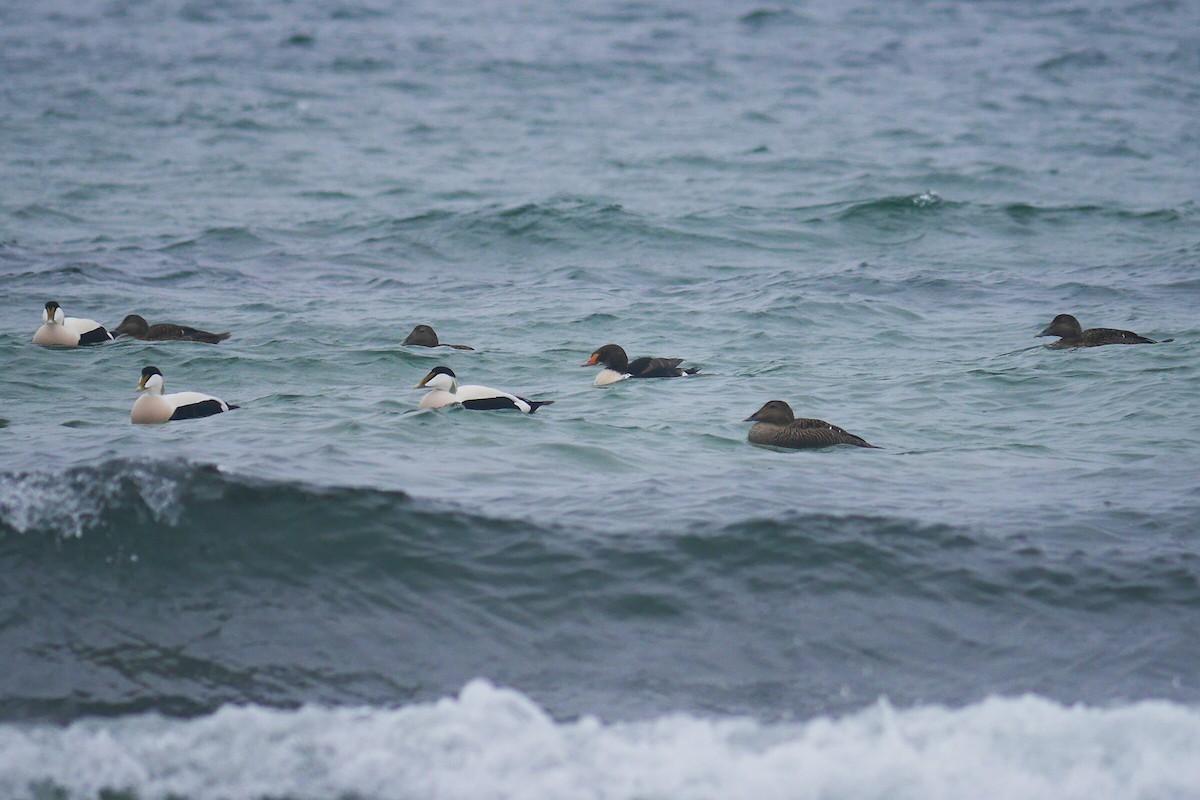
{"points": [[1043, 333], [142, 384], [591, 362], [424, 381]]}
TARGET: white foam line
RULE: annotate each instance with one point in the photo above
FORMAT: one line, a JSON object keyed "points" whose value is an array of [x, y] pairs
{"points": [[496, 743]]}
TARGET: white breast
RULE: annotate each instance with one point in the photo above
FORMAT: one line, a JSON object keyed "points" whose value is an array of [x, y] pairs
{"points": [[55, 336], [609, 376], [438, 398], [150, 410]]}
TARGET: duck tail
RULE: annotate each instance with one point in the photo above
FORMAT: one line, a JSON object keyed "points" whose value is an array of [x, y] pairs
{"points": [[534, 405], [692, 371]]}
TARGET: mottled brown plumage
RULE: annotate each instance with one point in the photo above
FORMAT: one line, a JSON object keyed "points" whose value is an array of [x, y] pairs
{"points": [[776, 426], [1073, 335], [137, 327]]}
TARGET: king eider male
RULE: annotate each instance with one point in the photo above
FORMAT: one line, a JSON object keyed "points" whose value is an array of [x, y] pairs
{"points": [[59, 330], [776, 426], [1073, 335], [137, 327], [447, 392], [154, 407], [424, 336], [617, 366]]}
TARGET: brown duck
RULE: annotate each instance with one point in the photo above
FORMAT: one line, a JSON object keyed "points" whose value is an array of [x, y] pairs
{"points": [[1073, 335], [424, 336], [776, 426], [137, 327]]}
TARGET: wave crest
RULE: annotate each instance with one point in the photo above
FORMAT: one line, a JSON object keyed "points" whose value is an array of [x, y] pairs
{"points": [[491, 742], [71, 502]]}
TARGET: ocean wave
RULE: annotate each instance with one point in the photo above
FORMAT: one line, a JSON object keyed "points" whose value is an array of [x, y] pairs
{"points": [[491, 742], [81, 498], [221, 521]]}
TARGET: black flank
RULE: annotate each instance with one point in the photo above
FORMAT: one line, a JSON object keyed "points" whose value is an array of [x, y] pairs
{"points": [[95, 336], [489, 404], [205, 408]]}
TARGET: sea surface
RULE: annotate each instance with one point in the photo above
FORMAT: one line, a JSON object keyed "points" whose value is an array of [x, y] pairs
{"points": [[865, 209]]}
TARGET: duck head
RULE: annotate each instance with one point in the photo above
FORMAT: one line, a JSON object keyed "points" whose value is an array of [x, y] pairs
{"points": [[152, 381], [132, 325], [773, 412], [611, 356], [422, 336], [1065, 326], [53, 314], [440, 378]]}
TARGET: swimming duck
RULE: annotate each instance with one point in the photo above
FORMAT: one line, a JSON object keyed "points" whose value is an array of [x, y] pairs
{"points": [[154, 406], [137, 327], [617, 366], [447, 392], [424, 336], [59, 330], [1073, 334], [777, 426]]}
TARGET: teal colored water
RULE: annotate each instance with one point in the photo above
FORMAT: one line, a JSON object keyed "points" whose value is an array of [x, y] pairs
{"points": [[867, 211]]}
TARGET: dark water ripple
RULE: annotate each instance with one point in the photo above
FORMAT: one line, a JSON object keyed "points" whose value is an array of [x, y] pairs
{"points": [[382, 592]]}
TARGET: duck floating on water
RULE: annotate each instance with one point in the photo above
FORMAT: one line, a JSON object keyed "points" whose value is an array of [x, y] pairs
{"points": [[447, 392], [59, 330], [154, 407], [424, 336], [776, 426], [618, 367], [136, 326], [1073, 335]]}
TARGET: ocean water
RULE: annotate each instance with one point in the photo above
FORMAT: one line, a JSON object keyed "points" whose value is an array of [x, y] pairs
{"points": [[865, 209]]}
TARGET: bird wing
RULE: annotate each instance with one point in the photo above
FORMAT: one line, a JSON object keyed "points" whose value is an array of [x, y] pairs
{"points": [[821, 433], [485, 398], [647, 367], [1098, 336]]}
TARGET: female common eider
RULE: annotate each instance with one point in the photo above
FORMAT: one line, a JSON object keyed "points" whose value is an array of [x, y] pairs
{"points": [[776, 426], [424, 336], [447, 392], [59, 330], [617, 366], [137, 327], [1073, 334], [154, 407]]}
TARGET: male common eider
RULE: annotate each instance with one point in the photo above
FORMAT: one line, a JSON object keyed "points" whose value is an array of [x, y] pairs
{"points": [[154, 406], [1073, 334], [424, 336], [617, 366], [137, 327], [447, 392], [776, 426], [59, 330]]}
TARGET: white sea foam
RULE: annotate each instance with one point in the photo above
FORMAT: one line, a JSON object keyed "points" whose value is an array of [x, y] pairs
{"points": [[496, 743], [70, 502]]}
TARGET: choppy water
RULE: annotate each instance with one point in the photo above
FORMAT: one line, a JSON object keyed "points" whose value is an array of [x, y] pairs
{"points": [[867, 210]]}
